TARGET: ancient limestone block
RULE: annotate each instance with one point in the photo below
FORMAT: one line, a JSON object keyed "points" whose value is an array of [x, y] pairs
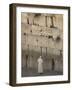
{"points": [[44, 50], [25, 28], [36, 30], [30, 40], [36, 48], [56, 52], [40, 20], [40, 41], [49, 50], [48, 22], [51, 43], [23, 39], [47, 65], [24, 46], [59, 45], [31, 19], [24, 18], [58, 65], [59, 21], [55, 33], [61, 35], [44, 42]]}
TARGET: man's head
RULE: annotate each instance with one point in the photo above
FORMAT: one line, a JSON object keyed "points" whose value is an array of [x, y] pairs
{"points": [[40, 56]]}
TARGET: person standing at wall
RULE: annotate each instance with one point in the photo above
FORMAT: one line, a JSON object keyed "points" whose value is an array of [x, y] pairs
{"points": [[40, 65]]}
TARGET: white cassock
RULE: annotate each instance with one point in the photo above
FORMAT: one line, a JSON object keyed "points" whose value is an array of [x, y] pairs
{"points": [[40, 65]]}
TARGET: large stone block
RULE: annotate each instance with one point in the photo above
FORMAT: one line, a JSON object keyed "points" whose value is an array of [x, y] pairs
{"points": [[59, 45], [48, 21], [40, 21], [58, 65], [47, 65], [25, 28], [59, 21], [31, 19], [24, 18]]}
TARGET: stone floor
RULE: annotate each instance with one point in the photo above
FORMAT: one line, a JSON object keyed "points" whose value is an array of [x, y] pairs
{"points": [[29, 72]]}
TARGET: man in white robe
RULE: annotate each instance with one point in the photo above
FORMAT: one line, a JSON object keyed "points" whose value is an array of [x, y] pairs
{"points": [[40, 65]]}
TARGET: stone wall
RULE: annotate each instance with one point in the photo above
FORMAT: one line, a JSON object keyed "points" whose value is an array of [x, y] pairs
{"points": [[42, 34]]}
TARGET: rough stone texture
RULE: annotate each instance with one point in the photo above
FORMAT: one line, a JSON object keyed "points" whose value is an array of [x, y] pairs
{"points": [[40, 37]]}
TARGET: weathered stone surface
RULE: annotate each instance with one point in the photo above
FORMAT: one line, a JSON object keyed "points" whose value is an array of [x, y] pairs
{"points": [[24, 17], [40, 21], [40, 37]]}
